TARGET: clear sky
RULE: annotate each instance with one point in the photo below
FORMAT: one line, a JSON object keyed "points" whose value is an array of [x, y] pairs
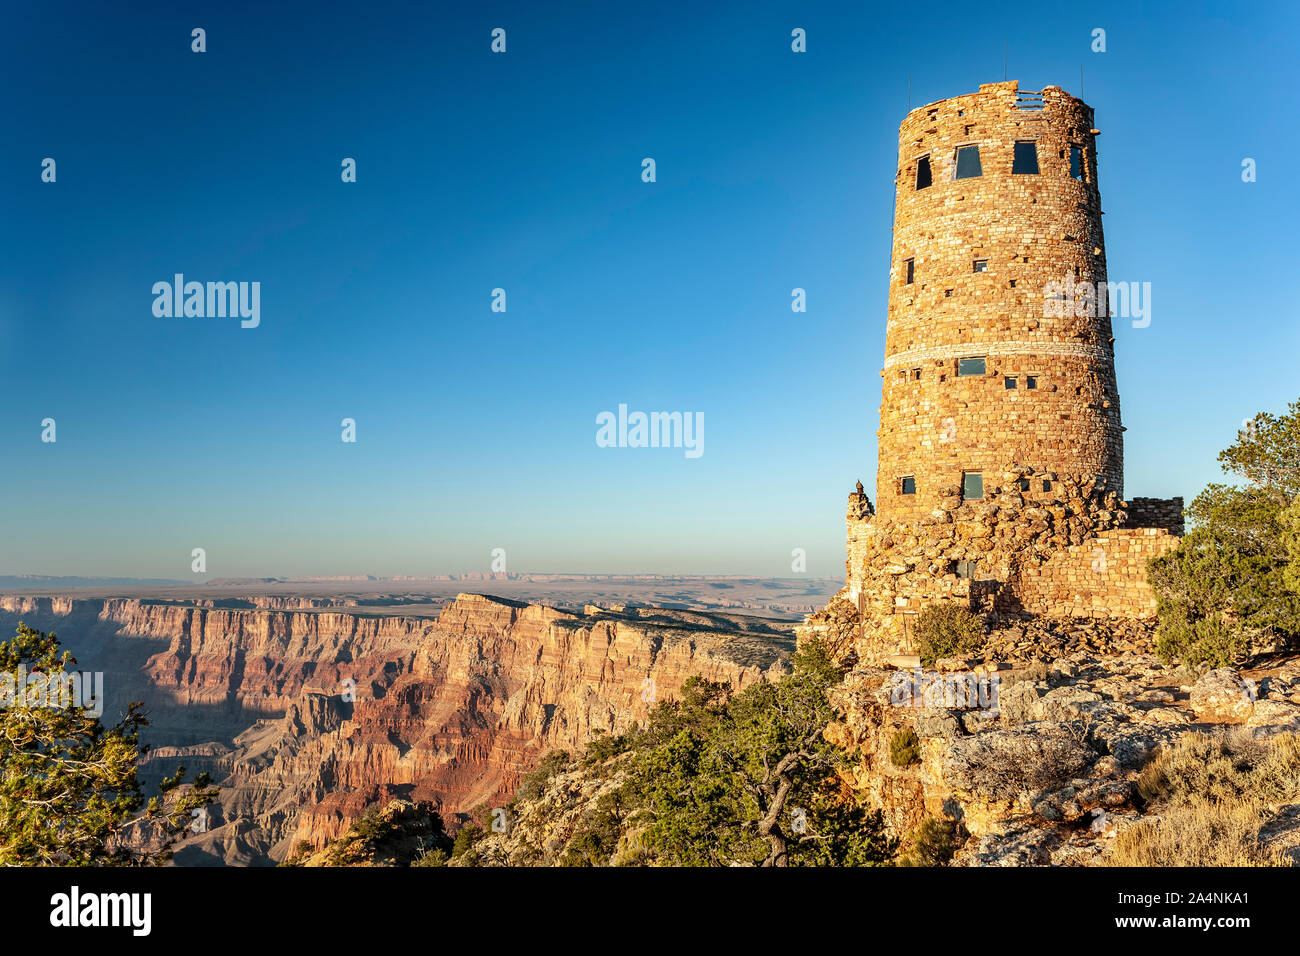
{"points": [[476, 429]]}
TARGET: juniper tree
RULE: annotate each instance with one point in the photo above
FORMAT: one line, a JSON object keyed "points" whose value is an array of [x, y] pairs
{"points": [[68, 784]]}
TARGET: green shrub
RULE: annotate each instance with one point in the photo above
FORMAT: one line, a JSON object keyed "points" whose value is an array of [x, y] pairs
{"points": [[1232, 586], [947, 629], [533, 785], [604, 746], [466, 838], [432, 858], [933, 843], [904, 747]]}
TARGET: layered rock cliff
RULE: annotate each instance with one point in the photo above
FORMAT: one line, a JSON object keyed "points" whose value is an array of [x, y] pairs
{"points": [[304, 718]]}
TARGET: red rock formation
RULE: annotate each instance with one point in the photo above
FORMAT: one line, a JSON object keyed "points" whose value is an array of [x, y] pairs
{"points": [[451, 711]]}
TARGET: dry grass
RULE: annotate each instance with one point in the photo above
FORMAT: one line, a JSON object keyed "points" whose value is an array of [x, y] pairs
{"points": [[1213, 795], [1212, 833], [1224, 767]]}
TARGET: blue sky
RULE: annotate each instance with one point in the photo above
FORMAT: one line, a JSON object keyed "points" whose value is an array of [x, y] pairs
{"points": [[523, 171]]}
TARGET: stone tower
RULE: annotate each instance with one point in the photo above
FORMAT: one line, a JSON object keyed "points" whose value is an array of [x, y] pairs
{"points": [[1000, 478], [996, 353]]}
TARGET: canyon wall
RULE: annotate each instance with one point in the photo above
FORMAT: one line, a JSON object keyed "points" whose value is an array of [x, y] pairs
{"points": [[304, 718]]}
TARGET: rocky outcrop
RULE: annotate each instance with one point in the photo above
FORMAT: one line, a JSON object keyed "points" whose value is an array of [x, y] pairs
{"points": [[1048, 773]]}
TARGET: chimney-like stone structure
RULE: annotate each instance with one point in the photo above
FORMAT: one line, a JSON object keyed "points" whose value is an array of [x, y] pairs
{"points": [[993, 357]]}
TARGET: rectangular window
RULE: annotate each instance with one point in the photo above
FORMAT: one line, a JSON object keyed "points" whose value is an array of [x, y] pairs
{"points": [[916, 375], [1024, 484], [968, 162], [909, 485], [971, 366], [972, 485], [923, 172], [1009, 382], [981, 265], [1047, 485], [1076, 163], [1025, 162], [966, 569], [1031, 382], [911, 270]]}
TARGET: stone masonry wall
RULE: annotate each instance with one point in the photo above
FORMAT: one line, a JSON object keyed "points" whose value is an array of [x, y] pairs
{"points": [[982, 252], [1103, 577], [1164, 513]]}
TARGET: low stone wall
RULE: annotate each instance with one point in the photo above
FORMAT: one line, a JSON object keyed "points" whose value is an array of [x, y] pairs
{"points": [[1105, 577], [1164, 513]]}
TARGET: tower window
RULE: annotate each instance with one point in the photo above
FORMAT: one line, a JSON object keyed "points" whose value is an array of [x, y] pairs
{"points": [[1047, 484], [1013, 283], [909, 485], [1024, 484], [1031, 381], [916, 374], [1076, 163], [1025, 162], [923, 172], [911, 270], [968, 162], [1009, 382], [966, 569], [972, 485], [981, 265], [971, 366]]}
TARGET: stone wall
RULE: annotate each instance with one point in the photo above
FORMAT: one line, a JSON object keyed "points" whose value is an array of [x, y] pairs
{"points": [[1105, 577], [1164, 513], [982, 252]]}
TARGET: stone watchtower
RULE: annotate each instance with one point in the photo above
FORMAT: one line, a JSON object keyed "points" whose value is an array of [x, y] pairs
{"points": [[990, 358], [1001, 469]]}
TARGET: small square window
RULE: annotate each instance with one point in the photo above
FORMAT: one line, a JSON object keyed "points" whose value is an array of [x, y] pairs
{"points": [[909, 485], [1031, 381], [968, 163], [1025, 162], [1076, 163], [1047, 485], [1009, 382], [911, 270], [965, 569], [971, 366], [981, 265], [1013, 283], [947, 293], [923, 177], [1024, 484], [972, 486], [916, 374]]}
